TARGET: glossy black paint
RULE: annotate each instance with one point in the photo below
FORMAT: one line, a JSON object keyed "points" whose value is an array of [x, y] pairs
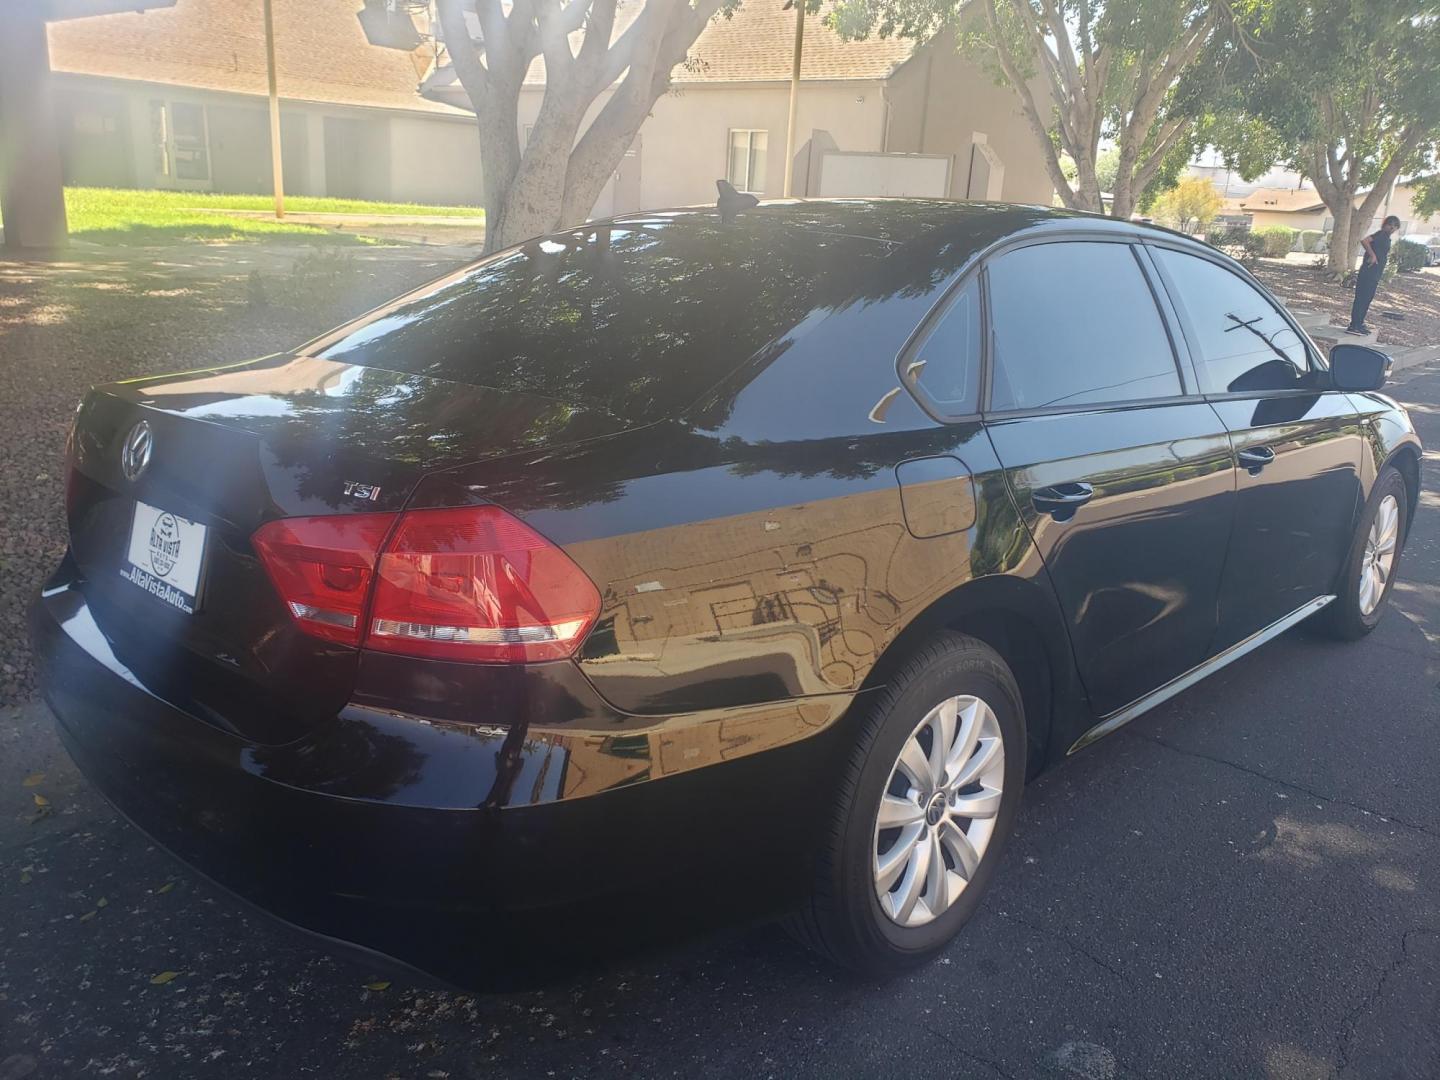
{"points": [[773, 521]]}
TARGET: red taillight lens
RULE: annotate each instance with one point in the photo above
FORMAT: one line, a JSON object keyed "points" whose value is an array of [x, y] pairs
{"points": [[323, 567], [478, 584]]}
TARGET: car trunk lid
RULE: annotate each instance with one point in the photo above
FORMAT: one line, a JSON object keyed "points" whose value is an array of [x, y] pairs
{"points": [[231, 449]]}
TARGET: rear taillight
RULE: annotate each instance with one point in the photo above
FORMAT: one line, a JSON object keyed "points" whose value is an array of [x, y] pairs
{"points": [[478, 584], [323, 567], [471, 583]]}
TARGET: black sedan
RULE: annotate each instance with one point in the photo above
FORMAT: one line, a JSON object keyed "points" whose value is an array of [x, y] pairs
{"points": [[691, 564]]}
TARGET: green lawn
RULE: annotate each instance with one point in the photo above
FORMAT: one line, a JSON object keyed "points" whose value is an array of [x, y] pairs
{"points": [[120, 216]]}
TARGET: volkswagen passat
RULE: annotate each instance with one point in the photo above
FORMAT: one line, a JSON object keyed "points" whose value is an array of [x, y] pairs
{"points": [[747, 561]]}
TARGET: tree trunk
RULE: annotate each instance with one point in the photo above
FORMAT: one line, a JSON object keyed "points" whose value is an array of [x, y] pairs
{"points": [[499, 161], [1340, 259], [1122, 200], [1087, 183]]}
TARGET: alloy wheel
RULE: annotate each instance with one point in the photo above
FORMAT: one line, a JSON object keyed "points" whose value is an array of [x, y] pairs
{"points": [[937, 813], [1379, 557]]}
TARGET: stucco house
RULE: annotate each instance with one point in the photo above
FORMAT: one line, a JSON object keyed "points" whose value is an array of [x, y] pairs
{"points": [[878, 116], [175, 98], [1302, 208]]}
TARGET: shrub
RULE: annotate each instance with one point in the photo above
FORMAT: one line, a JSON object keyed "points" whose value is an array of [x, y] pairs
{"points": [[1277, 240], [1310, 240], [1237, 242], [1409, 255]]}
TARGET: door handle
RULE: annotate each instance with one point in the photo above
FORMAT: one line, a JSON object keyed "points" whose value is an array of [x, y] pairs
{"points": [[1256, 458], [1061, 501]]}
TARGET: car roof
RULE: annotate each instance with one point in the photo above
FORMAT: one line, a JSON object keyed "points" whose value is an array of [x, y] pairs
{"points": [[900, 221]]}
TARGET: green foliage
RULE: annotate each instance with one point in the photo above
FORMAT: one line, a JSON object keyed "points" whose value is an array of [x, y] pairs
{"points": [[1339, 91], [1126, 72], [1276, 240], [1239, 243], [1107, 166], [1190, 205], [1427, 196], [1310, 240], [1409, 255], [1172, 167]]}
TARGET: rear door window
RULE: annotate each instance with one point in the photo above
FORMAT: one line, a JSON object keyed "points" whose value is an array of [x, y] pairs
{"points": [[1243, 343], [1075, 323]]}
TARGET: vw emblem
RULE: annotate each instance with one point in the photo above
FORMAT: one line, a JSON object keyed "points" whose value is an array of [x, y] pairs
{"points": [[135, 452]]}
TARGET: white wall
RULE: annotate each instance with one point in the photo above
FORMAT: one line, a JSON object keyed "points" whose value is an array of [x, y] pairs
{"points": [[687, 137], [941, 97], [685, 140], [431, 159], [435, 161], [845, 174]]}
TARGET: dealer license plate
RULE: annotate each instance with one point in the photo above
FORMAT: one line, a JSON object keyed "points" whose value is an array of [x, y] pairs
{"points": [[165, 556]]}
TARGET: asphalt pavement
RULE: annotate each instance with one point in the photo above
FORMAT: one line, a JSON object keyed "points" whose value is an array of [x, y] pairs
{"points": [[1243, 883]]}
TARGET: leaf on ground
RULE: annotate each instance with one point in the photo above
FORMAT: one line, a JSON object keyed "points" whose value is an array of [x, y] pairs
{"points": [[380, 985], [41, 801], [33, 780], [165, 888], [163, 978], [101, 902], [87, 916], [25, 877]]}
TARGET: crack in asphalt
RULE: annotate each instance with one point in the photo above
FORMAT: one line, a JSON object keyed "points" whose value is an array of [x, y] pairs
{"points": [[1126, 979], [1352, 1018], [994, 1066], [1384, 815]]}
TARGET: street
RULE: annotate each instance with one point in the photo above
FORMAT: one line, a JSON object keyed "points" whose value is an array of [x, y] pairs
{"points": [[1243, 882]]}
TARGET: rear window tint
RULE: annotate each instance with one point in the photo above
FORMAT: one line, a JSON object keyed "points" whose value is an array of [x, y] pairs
{"points": [[640, 317]]}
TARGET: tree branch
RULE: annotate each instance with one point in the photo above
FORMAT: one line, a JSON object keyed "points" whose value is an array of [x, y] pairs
{"points": [[1028, 107]]}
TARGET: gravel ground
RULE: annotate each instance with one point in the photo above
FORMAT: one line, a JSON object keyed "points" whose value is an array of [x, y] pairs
{"points": [[1414, 296], [106, 315]]}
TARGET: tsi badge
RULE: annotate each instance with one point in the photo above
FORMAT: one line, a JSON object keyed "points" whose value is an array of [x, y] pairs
{"points": [[357, 490]]}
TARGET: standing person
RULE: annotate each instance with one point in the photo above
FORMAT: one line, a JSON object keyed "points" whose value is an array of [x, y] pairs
{"points": [[1377, 253]]}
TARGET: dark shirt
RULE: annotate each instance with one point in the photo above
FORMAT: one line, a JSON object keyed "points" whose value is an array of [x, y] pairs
{"points": [[1380, 242]]}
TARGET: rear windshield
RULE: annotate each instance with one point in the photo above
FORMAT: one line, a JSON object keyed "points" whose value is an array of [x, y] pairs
{"points": [[639, 317]]}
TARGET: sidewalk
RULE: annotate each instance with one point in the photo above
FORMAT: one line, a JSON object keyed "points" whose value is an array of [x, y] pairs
{"points": [[1327, 335]]}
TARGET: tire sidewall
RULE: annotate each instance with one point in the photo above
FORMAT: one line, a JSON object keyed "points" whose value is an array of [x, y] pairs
{"points": [[954, 674], [1352, 621]]}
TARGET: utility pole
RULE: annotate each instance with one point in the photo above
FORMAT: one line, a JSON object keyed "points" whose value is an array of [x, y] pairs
{"points": [[279, 171], [799, 6]]}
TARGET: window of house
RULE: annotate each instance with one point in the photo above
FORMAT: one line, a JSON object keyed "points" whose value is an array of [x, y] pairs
{"points": [[1075, 323], [746, 169], [945, 365], [180, 140], [1243, 342]]}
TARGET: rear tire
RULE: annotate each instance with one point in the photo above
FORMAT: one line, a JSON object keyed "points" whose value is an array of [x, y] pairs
{"points": [[1374, 560], [882, 903]]}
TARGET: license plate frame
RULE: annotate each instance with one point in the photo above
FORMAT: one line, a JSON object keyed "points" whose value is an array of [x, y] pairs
{"points": [[165, 556]]}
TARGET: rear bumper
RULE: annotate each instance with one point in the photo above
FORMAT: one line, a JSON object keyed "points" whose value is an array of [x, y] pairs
{"points": [[449, 848]]}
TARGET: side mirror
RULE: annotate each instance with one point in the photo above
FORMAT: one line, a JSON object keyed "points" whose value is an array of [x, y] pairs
{"points": [[1355, 367]]}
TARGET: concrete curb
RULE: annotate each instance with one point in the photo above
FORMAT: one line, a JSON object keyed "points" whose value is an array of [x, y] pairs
{"points": [[1413, 357]]}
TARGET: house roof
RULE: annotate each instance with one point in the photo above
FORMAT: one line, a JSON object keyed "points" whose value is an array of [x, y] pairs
{"points": [[755, 43], [1282, 201], [321, 52]]}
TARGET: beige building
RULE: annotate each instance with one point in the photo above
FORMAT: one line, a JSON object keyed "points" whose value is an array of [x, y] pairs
{"points": [[176, 98], [1302, 208], [881, 116]]}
